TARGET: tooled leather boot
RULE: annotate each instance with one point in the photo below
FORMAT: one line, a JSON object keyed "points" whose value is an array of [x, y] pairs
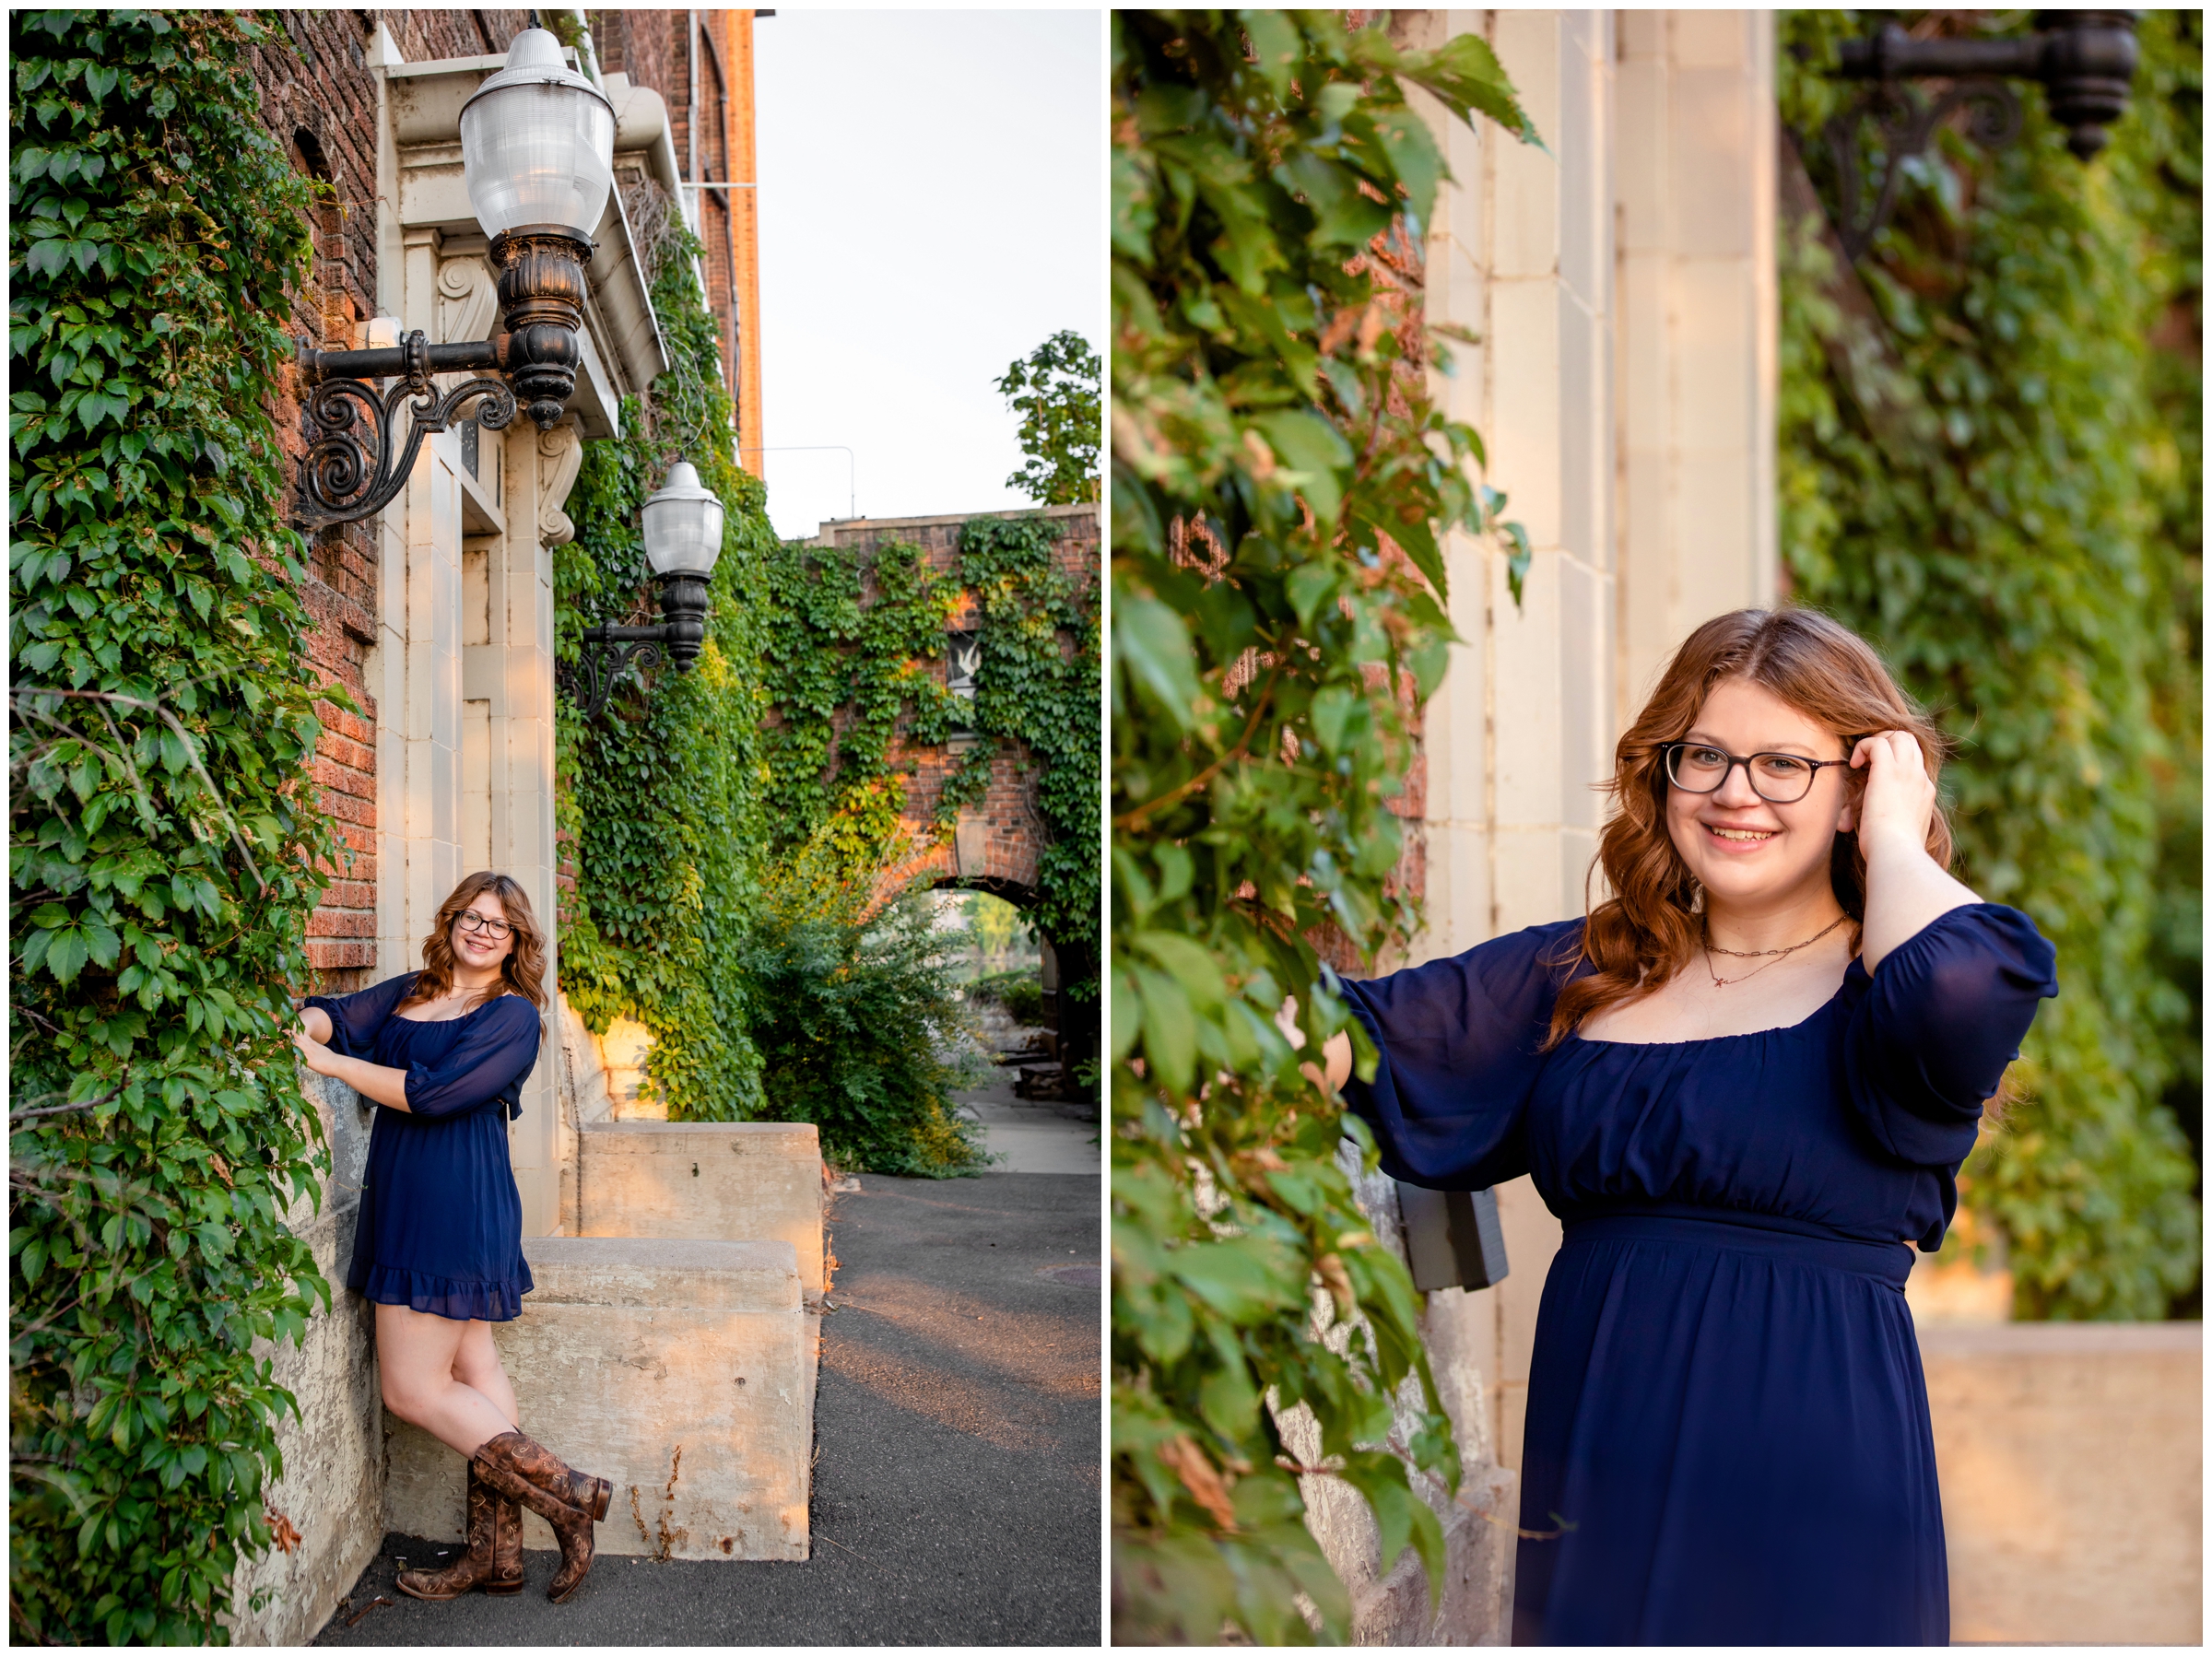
{"points": [[493, 1561], [570, 1501], [506, 1545]]}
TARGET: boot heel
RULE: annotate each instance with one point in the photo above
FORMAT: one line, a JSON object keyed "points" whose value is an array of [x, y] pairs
{"points": [[602, 1493], [502, 1589]]}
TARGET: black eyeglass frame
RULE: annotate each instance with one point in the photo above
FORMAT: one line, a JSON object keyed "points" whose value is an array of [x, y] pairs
{"points": [[505, 927], [1666, 766]]}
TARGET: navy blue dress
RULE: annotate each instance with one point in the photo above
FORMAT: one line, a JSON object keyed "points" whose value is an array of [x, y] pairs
{"points": [[442, 1223], [1727, 1438]]}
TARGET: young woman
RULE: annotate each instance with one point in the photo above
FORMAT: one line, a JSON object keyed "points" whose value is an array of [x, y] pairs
{"points": [[444, 1053], [1745, 1085]]}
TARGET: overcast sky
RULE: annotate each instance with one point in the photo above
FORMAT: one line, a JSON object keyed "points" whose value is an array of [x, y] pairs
{"points": [[932, 207]]}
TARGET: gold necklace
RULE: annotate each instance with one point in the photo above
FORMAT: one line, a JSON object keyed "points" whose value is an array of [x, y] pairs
{"points": [[1711, 950]]}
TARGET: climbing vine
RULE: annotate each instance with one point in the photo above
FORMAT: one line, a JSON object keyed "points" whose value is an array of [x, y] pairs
{"points": [[164, 849], [1280, 480], [661, 795], [851, 641], [1991, 450], [818, 666]]}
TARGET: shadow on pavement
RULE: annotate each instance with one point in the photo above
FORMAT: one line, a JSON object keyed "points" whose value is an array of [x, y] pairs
{"points": [[957, 1439]]}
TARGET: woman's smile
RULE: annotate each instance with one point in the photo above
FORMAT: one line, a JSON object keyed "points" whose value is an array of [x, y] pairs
{"points": [[1737, 840]]}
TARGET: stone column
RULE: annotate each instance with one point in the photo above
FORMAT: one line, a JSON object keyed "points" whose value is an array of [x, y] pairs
{"points": [[512, 671], [1519, 738], [1698, 361]]}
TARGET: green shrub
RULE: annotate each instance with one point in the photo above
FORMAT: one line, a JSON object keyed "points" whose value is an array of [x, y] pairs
{"points": [[859, 1023], [1019, 991]]}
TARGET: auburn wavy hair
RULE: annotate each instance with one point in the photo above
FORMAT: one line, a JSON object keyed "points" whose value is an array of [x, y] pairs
{"points": [[1649, 929], [524, 970]]}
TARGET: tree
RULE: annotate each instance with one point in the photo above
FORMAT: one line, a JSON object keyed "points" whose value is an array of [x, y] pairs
{"points": [[1056, 390]]}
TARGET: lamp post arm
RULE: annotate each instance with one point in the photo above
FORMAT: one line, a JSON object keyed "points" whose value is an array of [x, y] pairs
{"points": [[1892, 55], [384, 362]]}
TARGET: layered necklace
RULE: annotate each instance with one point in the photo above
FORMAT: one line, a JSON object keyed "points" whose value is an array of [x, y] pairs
{"points": [[1712, 948]]}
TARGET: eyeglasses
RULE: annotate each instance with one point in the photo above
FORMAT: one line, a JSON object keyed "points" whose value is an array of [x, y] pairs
{"points": [[1780, 778], [473, 921]]}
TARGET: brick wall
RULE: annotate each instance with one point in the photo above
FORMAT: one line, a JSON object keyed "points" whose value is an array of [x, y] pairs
{"points": [[1001, 835], [318, 98], [652, 48]]}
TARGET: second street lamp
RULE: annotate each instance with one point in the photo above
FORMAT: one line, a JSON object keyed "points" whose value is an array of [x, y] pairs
{"points": [[682, 524], [537, 146]]}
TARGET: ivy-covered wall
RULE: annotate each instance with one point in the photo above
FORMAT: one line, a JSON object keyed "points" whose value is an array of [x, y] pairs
{"points": [[784, 754], [165, 850], [1991, 446]]}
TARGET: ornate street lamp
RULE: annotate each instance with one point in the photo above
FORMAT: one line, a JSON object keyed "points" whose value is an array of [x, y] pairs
{"points": [[2085, 60], [682, 523], [538, 146]]}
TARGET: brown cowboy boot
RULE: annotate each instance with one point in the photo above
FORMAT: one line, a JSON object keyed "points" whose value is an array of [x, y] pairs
{"points": [[569, 1500], [506, 1545], [480, 1566]]}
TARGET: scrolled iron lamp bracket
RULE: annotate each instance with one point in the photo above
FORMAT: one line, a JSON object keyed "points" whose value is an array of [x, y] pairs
{"points": [[2084, 60], [682, 524], [537, 158]]}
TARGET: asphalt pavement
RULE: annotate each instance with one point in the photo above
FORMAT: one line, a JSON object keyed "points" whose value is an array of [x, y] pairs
{"points": [[958, 1425]]}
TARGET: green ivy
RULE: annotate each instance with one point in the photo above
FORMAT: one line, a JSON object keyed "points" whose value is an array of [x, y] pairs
{"points": [[849, 641], [1995, 476], [165, 850], [1280, 478], [661, 796]]}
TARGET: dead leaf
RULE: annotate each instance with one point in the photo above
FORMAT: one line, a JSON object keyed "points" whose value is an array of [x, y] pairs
{"points": [[1200, 1477]]}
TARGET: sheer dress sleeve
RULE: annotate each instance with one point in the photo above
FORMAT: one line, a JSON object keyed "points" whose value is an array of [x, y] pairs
{"points": [[487, 1065], [1459, 1043], [1937, 1023], [355, 1018]]}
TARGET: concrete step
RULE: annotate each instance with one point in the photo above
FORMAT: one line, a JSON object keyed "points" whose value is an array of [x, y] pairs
{"points": [[681, 1371], [736, 1180]]}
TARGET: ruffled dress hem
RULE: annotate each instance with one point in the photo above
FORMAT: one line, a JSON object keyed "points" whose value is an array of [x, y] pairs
{"points": [[443, 1296]]}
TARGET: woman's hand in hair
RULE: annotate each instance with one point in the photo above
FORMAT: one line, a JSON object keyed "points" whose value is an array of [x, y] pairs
{"points": [[1899, 800], [1905, 888]]}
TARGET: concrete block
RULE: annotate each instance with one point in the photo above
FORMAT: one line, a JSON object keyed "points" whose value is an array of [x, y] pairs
{"points": [[733, 1180], [680, 1371], [1532, 1238], [330, 1492], [2071, 1456], [1475, 1606]]}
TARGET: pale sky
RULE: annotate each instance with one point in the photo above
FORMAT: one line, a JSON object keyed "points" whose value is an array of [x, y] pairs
{"points": [[932, 207]]}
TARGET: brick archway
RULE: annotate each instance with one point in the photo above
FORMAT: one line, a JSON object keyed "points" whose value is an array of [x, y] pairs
{"points": [[996, 842]]}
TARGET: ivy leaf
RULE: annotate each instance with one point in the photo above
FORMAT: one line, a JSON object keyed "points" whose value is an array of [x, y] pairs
{"points": [[65, 955], [1151, 640]]}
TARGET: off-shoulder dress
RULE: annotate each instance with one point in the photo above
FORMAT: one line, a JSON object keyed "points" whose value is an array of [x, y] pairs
{"points": [[440, 1225], [1728, 1437]]}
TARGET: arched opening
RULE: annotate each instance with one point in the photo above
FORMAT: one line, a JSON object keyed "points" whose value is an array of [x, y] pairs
{"points": [[1007, 952]]}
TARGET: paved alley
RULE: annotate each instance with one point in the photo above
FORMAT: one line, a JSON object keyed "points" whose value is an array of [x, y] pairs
{"points": [[957, 1426]]}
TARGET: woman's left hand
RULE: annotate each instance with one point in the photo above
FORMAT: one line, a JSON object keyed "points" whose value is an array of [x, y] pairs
{"points": [[313, 1052], [1899, 801]]}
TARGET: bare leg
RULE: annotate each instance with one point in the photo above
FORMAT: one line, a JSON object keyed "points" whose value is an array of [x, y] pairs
{"points": [[477, 1365], [417, 1353]]}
